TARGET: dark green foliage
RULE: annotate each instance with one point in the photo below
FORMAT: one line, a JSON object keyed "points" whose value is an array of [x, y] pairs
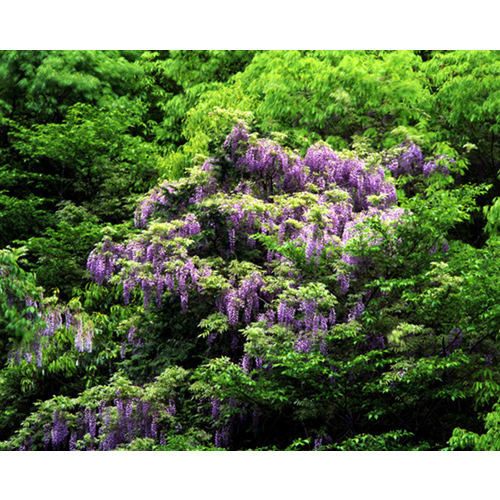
{"points": [[90, 158], [40, 86], [59, 257]]}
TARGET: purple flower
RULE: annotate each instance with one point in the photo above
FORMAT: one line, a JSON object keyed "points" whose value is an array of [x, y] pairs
{"points": [[215, 408], [318, 442], [303, 345], [356, 312], [246, 363], [72, 441], [46, 436], [233, 141], [222, 437], [59, 430], [343, 281], [154, 426]]}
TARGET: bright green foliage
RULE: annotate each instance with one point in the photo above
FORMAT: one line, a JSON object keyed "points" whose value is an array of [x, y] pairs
{"points": [[382, 97], [489, 441], [172, 84], [177, 79], [329, 95], [335, 95], [466, 99]]}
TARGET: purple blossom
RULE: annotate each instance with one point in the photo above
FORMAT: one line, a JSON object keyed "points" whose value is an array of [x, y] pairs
{"points": [[154, 426], [234, 140], [72, 441], [411, 161], [215, 408], [285, 314], [46, 436], [222, 437], [332, 318], [59, 430], [246, 363], [318, 442], [375, 341], [303, 344], [343, 281], [356, 312]]}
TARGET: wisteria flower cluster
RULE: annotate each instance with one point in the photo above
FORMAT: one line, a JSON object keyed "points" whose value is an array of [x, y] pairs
{"points": [[311, 203], [121, 414], [411, 161], [245, 233], [266, 244], [53, 317]]}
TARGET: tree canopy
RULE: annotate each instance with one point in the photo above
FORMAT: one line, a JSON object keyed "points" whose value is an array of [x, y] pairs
{"points": [[249, 250]]}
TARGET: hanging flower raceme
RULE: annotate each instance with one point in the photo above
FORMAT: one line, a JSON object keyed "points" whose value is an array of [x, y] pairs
{"points": [[103, 261], [149, 206], [411, 162], [237, 139], [266, 159], [54, 317]]}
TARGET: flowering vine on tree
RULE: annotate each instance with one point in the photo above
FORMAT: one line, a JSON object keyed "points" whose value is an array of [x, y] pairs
{"points": [[311, 203], [265, 240]]}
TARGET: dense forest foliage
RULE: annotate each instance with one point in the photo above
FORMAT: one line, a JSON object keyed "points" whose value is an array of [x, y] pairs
{"points": [[249, 250]]}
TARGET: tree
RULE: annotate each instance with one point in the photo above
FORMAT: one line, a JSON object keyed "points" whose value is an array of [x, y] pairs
{"points": [[300, 276], [288, 291]]}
